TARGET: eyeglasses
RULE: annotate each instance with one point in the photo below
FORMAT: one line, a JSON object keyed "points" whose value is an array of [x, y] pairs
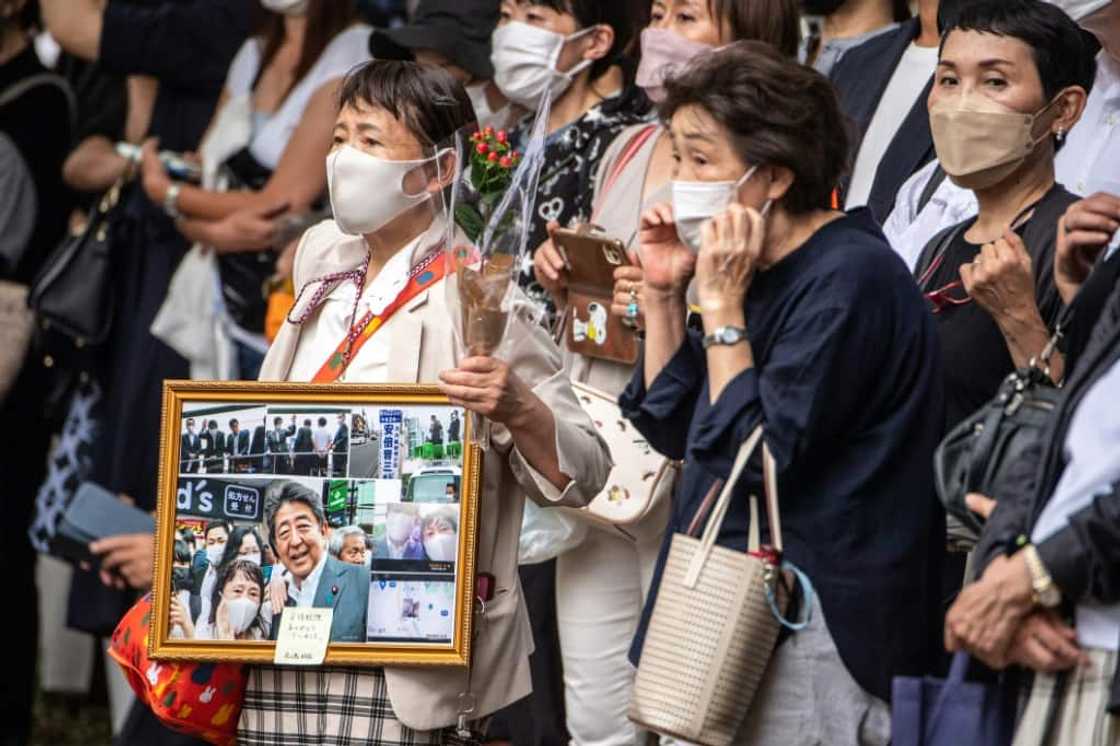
{"points": [[949, 296]]}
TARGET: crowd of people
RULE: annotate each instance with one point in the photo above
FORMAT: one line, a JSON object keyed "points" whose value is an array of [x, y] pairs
{"points": [[846, 221], [285, 448]]}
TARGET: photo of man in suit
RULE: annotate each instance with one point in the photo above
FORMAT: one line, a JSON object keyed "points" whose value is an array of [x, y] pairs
{"points": [[453, 428], [297, 528], [303, 450], [237, 444], [190, 448], [279, 459], [435, 432], [257, 448], [213, 448], [340, 448]]}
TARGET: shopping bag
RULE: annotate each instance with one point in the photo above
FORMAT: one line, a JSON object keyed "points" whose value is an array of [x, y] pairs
{"points": [[926, 711]]}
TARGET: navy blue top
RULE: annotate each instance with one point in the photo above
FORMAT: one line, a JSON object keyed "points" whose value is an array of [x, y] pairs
{"points": [[847, 382]]}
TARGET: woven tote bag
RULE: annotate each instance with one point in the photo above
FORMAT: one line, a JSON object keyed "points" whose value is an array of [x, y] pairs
{"points": [[713, 629]]}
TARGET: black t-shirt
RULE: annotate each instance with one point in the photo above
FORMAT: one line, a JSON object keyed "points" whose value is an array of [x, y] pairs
{"points": [[973, 350], [38, 122]]}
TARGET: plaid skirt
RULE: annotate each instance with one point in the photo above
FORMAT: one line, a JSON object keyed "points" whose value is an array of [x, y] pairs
{"points": [[336, 706], [1080, 718]]}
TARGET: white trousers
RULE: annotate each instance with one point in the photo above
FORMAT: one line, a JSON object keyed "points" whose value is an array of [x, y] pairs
{"points": [[600, 589]]}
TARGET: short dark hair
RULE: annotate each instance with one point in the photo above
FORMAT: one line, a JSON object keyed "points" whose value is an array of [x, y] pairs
{"points": [[1063, 53], [225, 575], [777, 22], [233, 545], [213, 423], [286, 491], [278, 421], [307, 423], [431, 103], [233, 422], [625, 17], [778, 112], [190, 420], [211, 525], [322, 421]]}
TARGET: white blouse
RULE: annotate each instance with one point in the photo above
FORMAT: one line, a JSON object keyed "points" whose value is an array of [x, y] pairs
{"points": [[325, 330], [347, 50]]}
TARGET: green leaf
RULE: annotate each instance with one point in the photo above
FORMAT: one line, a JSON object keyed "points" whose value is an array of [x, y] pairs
{"points": [[469, 219]]}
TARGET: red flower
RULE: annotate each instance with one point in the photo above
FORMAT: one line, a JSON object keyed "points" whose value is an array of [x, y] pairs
{"points": [[489, 131], [516, 155], [506, 162], [502, 136], [482, 148], [493, 157]]}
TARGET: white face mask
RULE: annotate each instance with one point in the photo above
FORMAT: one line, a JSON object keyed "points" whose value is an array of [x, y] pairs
{"points": [[214, 553], [368, 192], [483, 114], [287, 7], [697, 202], [441, 547], [242, 611], [524, 58], [398, 527], [254, 557]]}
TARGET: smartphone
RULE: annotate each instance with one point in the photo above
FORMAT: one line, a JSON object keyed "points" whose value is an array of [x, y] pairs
{"points": [[590, 257], [177, 167]]}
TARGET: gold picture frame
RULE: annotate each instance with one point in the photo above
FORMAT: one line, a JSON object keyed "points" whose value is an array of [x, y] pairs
{"points": [[409, 578]]}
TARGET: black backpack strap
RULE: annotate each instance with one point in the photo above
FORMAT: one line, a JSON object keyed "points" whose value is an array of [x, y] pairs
{"points": [[20, 87], [935, 180]]}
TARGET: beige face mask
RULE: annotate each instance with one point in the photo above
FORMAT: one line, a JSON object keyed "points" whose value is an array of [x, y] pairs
{"points": [[980, 142]]}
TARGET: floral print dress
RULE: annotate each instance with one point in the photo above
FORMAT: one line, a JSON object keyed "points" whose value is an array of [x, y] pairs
{"points": [[566, 188]]}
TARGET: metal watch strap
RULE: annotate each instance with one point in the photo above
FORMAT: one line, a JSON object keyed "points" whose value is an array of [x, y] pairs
{"points": [[1044, 591], [725, 335]]}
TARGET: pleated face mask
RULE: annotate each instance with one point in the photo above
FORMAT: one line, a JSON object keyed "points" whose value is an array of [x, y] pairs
{"points": [[697, 202]]}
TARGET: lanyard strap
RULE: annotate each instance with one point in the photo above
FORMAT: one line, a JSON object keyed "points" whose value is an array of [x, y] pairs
{"points": [[430, 270]]}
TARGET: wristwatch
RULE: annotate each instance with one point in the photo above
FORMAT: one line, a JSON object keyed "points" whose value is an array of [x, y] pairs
{"points": [[1043, 590], [725, 335], [171, 202]]}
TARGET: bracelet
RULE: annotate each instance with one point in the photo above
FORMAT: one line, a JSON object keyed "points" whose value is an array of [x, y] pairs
{"points": [[171, 202]]}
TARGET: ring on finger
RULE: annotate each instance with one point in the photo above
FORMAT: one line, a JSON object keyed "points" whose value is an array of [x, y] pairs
{"points": [[632, 310]]}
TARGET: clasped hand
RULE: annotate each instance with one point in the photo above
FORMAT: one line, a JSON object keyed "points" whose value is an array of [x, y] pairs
{"points": [[1001, 279], [489, 387]]}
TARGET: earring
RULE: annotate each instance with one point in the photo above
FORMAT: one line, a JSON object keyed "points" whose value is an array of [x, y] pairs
{"points": [[1061, 135]]}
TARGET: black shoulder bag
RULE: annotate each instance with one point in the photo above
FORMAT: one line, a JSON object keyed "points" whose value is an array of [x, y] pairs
{"points": [[72, 294], [978, 454]]}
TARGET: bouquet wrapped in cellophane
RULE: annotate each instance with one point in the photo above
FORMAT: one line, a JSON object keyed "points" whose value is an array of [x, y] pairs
{"points": [[492, 202]]}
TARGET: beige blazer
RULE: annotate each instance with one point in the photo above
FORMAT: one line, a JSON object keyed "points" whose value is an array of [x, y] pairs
{"points": [[421, 339]]}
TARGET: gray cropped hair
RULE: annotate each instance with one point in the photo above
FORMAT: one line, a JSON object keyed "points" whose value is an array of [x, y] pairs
{"points": [[338, 538], [286, 491]]}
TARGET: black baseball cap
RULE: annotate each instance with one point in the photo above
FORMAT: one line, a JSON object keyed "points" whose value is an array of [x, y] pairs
{"points": [[458, 29]]}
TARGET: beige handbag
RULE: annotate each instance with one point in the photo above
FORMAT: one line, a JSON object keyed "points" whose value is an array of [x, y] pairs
{"points": [[714, 624], [636, 496], [16, 325]]}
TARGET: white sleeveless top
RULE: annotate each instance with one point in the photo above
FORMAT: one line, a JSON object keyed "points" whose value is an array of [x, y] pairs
{"points": [[346, 51]]}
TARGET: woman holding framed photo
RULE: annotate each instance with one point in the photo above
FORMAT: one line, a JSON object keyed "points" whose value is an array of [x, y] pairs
{"points": [[382, 259]]}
